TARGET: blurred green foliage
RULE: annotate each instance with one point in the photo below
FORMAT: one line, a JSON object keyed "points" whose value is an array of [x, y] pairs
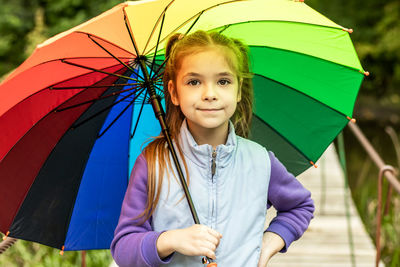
{"points": [[376, 37]]}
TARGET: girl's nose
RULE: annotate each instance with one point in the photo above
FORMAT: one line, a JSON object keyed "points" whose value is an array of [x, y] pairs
{"points": [[209, 93]]}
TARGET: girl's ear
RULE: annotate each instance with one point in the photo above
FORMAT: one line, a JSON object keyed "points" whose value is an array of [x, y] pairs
{"points": [[172, 93]]}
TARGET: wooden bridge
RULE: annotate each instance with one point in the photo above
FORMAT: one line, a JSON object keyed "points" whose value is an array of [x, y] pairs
{"points": [[336, 236]]}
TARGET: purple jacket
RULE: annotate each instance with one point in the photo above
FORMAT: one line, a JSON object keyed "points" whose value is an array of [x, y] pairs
{"points": [[135, 245]]}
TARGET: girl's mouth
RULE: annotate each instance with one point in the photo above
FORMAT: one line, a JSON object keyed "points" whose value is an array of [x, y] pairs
{"points": [[210, 109]]}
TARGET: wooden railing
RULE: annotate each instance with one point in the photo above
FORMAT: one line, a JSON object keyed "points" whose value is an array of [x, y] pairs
{"points": [[385, 171]]}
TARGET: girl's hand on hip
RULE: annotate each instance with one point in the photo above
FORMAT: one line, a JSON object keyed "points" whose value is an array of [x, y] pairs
{"points": [[196, 240], [272, 244]]}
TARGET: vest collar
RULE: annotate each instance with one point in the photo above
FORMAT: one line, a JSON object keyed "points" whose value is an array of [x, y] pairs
{"points": [[202, 154]]}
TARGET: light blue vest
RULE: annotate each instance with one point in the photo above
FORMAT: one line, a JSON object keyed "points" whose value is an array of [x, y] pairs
{"points": [[233, 201]]}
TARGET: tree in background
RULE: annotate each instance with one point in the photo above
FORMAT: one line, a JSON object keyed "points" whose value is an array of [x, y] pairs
{"points": [[26, 23], [16, 21]]}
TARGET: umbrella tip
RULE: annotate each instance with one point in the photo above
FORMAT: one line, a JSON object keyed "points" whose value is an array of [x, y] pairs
{"points": [[348, 30], [366, 73], [312, 163], [5, 237], [351, 119]]}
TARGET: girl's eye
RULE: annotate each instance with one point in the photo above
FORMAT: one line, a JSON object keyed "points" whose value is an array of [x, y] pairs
{"points": [[224, 82], [193, 82]]}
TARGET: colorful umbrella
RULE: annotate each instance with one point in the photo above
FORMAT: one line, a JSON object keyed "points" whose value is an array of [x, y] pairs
{"points": [[74, 115]]}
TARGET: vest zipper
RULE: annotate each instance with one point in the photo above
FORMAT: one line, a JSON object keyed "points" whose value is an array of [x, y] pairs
{"points": [[213, 164], [213, 168]]}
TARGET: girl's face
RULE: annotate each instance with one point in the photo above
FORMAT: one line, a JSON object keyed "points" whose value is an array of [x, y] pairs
{"points": [[207, 90]]}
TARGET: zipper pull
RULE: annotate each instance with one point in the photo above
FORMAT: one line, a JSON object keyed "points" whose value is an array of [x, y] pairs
{"points": [[213, 165]]}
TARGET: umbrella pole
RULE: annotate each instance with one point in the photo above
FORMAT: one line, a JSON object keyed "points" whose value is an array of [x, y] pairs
{"points": [[159, 112], [160, 115]]}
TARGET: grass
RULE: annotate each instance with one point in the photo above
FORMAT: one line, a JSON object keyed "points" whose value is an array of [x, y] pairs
{"points": [[29, 254]]}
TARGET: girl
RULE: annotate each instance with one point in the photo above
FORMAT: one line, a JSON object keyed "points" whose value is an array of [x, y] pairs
{"points": [[232, 180]]}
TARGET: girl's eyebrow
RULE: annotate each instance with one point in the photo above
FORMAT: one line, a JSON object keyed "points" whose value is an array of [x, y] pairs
{"points": [[192, 74], [199, 75], [225, 74]]}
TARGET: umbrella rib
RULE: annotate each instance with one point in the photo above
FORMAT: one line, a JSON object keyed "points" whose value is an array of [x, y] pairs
{"points": [[166, 58], [155, 25], [308, 96], [157, 81], [224, 28], [283, 137], [106, 41], [160, 90], [158, 73], [97, 70], [101, 111], [130, 33], [197, 19], [158, 87], [116, 118], [191, 26], [120, 61], [158, 40], [92, 86], [138, 118], [95, 99], [198, 14]]}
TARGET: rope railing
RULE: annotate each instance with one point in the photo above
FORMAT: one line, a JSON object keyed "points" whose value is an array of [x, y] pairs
{"points": [[386, 171]]}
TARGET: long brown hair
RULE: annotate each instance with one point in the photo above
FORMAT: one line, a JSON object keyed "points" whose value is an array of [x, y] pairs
{"points": [[179, 46]]}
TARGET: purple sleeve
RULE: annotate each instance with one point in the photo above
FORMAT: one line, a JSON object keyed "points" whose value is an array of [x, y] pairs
{"points": [[292, 201], [134, 244]]}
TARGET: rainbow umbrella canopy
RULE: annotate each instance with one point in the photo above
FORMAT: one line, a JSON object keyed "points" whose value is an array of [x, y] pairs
{"points": [[74, 115]]}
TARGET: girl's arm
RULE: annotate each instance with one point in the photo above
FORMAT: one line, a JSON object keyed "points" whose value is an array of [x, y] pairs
{"points": [[294, 207], [272, 244], [134, 244]]}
